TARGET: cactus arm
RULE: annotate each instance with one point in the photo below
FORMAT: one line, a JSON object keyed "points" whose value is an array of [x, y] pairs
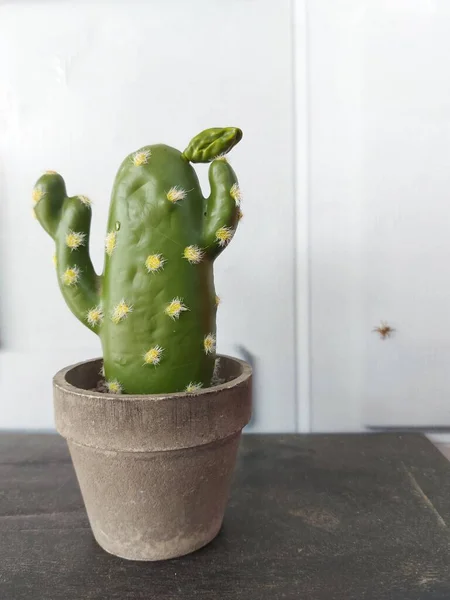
{"points": [[48, 195], [222, 211], [68, 222]]}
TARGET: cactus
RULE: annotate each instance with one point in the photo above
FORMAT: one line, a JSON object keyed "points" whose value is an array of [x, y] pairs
{"points": [[154, 307]]}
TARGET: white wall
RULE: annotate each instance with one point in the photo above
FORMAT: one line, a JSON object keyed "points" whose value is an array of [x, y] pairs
{"points": [[380, 212], [345, 107]]}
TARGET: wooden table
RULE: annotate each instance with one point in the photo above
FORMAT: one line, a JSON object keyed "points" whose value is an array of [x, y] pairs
{"points": [[310, 517]]}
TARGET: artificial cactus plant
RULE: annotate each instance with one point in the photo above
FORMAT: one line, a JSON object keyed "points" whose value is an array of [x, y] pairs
{"points": [[154, 307]]}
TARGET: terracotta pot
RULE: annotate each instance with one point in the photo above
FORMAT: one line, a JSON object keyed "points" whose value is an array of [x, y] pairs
{"points": [[154, 470]]}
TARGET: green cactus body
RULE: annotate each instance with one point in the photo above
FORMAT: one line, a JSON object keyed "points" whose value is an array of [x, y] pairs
{"points": [[155, 306]]}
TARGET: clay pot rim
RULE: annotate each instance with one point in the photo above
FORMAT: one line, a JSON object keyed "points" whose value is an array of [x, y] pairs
{"points": [[60, 382]]}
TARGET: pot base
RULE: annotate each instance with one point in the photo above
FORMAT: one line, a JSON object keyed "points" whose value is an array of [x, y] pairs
{"points": [[159, 505], [179, 550]]}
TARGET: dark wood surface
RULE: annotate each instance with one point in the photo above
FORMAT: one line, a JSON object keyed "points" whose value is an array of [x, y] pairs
{"points": [[310, 517]]}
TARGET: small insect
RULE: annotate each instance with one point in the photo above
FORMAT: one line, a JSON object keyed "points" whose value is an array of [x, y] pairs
{"points": [[384, 330]]}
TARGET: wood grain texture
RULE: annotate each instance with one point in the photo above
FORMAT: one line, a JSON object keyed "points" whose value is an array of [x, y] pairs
{"points": [[313, 517]]}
